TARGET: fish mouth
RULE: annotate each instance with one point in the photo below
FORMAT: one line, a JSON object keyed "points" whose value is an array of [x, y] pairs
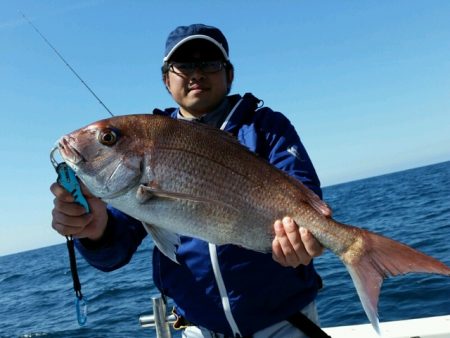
{"points": [[69, 152]]}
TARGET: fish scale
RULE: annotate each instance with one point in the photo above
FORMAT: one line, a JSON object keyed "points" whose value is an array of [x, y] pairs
{"points": [[216, 181]]}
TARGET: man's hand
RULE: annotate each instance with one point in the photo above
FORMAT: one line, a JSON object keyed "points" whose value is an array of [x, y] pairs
{"points": [[70, 218], [292, 245]]}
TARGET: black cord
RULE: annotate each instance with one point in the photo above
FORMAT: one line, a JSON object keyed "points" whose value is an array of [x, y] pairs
{"points": [[73, 267]]}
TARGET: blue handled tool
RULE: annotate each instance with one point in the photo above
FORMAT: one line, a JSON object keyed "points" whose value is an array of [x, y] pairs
{"points": [[68, 180]]}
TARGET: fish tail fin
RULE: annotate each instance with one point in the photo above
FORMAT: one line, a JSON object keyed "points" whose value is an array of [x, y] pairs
{"points": [[372, 257]]}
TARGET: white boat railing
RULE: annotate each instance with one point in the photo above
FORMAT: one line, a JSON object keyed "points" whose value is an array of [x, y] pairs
{"points": [[160, 320], [429, 327]]}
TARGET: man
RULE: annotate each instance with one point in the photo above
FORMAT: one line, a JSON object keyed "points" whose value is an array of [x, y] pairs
{"points": [[219, 291]]}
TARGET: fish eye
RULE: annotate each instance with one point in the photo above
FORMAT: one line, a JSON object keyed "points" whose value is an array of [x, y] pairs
{"points": [[107, 137]]}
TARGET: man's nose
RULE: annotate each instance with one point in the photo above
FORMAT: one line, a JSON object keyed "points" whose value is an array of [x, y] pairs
{"points": [[197, 73]]}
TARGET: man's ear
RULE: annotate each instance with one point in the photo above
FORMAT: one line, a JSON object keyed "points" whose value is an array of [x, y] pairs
{"points": [[230, 78], [166, 82]]}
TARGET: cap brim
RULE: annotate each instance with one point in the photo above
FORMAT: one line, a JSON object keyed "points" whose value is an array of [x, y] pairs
{"points": [[196, 37]]}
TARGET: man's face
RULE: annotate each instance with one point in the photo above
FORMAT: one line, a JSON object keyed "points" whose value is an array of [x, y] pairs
{"points": [[197, 91]]}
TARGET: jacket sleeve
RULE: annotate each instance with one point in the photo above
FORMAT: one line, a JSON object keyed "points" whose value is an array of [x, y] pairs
{"points": [[284, 149], [120, 241]]}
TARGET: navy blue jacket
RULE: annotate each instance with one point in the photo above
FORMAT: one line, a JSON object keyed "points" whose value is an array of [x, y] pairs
{"points": [[260, 291]]}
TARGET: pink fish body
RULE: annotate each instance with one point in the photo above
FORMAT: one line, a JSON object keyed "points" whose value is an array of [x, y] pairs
{"points": [[183, 178]]}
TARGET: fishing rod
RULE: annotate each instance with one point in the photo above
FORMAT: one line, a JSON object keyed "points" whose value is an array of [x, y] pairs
{"points": [[65, 62], [68, 180]]}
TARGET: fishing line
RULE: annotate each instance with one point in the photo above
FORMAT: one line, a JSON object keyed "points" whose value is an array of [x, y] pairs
{"points": [[66, 63], [68, 180]]}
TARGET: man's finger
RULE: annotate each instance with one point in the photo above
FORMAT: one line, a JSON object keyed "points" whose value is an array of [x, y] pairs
{"points": [[277, 253], [61, 193], [293, 235], [68, 208], [71, 221], [291, 244], [312, 245]]}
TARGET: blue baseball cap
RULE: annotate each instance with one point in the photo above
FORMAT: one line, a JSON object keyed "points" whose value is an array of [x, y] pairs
{"points": [[183, 34]]}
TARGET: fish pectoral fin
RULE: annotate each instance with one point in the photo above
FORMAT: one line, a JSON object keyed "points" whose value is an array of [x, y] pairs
{"points": [[166, 241], [372, 257], [146, 192]]}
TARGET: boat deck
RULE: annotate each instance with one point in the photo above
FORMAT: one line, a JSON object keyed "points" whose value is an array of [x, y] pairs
{"points": [[431, 327]]}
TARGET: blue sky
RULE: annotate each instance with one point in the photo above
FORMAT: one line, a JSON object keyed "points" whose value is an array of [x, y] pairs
{"points": [[366, 83]]}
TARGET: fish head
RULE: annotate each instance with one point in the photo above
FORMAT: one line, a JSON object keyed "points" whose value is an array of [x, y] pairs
{"points": [[105, 156]]}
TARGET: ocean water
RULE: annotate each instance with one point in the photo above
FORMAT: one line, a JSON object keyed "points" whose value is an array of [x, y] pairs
{"points": [[413, 206]]}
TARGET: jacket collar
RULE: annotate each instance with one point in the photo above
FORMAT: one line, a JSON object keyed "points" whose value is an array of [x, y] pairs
{"points": [[242, 109]]}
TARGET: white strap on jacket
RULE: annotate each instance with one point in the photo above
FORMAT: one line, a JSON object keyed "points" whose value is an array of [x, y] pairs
{"points": [[223, 291], [215, 261]]}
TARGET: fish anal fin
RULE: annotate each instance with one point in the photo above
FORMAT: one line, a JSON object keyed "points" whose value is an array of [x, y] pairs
{"points": [[372, 257]]}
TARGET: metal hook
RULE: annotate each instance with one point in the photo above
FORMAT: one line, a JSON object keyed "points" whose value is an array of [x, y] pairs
{"points": [[52, 156]]}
